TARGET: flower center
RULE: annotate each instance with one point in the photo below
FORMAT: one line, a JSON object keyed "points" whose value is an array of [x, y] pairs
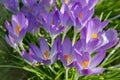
{"points": [[80, 15], [85, 64], [68, 59], [46, 54], [66, 1], [18, 29], [94, 35]]}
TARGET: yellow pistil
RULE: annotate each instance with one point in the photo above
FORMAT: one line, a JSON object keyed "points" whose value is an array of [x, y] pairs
{"points": [[94, 35], [86, 63], [46, 54], [66, 1], [66, 57], [18, 29], [80, 15]]}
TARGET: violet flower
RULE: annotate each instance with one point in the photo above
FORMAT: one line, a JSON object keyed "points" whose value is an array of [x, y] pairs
{"points": [[12, 5], [90, 3], [18, 29], [95, 39], [81, 15], [69, 3], [66, 53], [30, 6], [66, 18], [87, 65], [34, 24], [29, 56], [51, 23], [44, 54]]}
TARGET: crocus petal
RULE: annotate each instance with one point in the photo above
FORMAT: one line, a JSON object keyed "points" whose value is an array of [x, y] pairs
{"points": [[67, 46], [92, 3], [46, 62], [43, 45], [86, 72], [28, 57], [97, 59], [97, 70], [36, 50], [8, 26], [112, 39], [10, 42]]}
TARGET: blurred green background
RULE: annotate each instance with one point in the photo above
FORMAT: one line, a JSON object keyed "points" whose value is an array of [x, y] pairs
{"points": [[11, 64]]}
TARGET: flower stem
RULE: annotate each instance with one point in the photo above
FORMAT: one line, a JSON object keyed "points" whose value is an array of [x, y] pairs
{"points": [[21, 46], [63, 37], [52, 69], [76, 76], [66, 73], [74, 38]]}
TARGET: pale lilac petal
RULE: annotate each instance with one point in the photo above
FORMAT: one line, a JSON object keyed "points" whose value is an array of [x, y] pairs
{"points": [[43, 45], [97, 70], [67, 46], [97, 59]]}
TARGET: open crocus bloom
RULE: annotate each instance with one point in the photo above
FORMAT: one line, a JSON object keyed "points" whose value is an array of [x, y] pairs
{"points": [[29, 56], [44, 54], [66, 53], [87, 65], [18, 29], [95, 39], [81, 15]]}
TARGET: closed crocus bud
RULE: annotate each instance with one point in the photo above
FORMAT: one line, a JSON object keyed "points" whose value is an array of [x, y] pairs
{"points": [[51, 23], [17, 30], [12, 5]]}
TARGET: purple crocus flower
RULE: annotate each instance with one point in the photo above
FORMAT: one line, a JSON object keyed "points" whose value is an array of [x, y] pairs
{"points": [[86, 65], [69, 3], [30, 6], [29, 56], [66, 53], [28, 3], [66, 18], [18, 29], [43, 7], [12, 5], [90, 3], [51, 23], [44, 54], [81, 15], [34, 24], [95, 39]]}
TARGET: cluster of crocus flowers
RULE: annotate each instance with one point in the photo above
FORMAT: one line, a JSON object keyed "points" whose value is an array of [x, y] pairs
{"points": [[73, 13]]}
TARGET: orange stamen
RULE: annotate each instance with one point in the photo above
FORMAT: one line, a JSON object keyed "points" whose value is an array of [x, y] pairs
{"points": [[80, 15], [86, 63], [18, 29], [66, 57], [46, 54]]}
